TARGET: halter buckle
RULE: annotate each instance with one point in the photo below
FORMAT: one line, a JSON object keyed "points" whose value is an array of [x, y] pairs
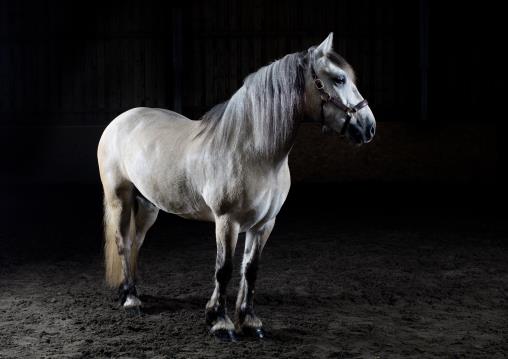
{"points": [[325, 96]]}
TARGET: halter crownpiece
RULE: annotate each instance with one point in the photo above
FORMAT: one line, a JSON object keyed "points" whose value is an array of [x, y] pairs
{"points": [[327, 97]]}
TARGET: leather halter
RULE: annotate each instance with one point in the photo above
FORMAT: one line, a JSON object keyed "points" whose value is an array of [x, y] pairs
{"points": [[326, 97]]}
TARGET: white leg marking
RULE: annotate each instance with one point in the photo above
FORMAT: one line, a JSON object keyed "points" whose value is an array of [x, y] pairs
{"points": [[131, 302]]}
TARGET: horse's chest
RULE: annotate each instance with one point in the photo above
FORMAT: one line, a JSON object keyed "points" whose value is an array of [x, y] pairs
{"points": [[253, 199], [262, 209]]}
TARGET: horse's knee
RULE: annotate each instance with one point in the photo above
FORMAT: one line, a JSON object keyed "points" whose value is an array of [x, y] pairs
{"points": [[224, 272], [251, 272]]}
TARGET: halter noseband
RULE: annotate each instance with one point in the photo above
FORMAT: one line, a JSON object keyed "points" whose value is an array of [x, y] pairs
{"points": [[326, 97]]}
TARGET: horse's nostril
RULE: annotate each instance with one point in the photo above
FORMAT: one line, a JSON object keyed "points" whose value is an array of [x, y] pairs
{"points": [[372, 130]]}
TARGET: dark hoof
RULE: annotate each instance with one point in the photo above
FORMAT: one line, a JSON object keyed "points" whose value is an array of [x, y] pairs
{"points": [[258, 333], [134, 311], [210, 318], [225, 335]]}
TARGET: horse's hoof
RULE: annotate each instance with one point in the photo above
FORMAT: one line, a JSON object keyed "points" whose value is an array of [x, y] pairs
{"points": [[260, 333], [210, 318], [131, 301], [134, 311], [225, 335], [132, 306], [125, 291]]}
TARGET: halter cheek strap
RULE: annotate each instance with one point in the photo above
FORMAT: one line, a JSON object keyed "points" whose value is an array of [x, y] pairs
{"points": [[326, 97]]}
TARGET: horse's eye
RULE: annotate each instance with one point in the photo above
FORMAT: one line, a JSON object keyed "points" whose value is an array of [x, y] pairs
{"points": [[340, 80]]}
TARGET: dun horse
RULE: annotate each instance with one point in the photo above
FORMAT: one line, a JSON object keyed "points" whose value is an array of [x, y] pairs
{"points": [[230, 167]]}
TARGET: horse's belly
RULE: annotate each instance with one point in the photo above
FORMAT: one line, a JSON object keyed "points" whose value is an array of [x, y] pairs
{"points": [[172, 193], [188, 206], [184, 203]]}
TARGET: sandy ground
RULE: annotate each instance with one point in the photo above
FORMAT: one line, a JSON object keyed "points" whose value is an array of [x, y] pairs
{"points": [[328, 288]]}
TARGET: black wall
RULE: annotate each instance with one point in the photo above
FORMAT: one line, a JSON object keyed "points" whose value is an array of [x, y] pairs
{"points": [[80, 64], [68, 68]]}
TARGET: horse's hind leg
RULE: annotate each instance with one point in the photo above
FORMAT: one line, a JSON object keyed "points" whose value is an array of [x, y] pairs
{"points": [[245, 319], [146, 214], [226, 233], [120, 254]]}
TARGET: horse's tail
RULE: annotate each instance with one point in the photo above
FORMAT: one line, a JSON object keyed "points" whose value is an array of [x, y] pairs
{"points": [[112, 259]]}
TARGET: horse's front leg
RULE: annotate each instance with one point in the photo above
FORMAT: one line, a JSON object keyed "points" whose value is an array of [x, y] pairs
{"points": [[246, 321], [226, 233]]}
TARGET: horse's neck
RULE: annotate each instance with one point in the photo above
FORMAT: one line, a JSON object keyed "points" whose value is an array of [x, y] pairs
{"points": [[250, 149], [239, 139], [259, 122]]}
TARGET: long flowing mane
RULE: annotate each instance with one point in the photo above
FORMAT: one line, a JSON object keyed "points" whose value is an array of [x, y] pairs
{"points": [[261, 115]]}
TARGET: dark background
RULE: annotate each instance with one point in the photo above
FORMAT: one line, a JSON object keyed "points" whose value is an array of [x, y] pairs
{"points": [[428, 70], [68, 68]]}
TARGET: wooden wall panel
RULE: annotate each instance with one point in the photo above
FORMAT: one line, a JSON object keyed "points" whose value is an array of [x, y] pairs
{"points": [[233, 41], [83, 65], [68, 68]]}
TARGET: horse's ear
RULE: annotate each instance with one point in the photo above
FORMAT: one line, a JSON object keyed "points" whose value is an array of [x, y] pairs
{"points": [[326, 46]]}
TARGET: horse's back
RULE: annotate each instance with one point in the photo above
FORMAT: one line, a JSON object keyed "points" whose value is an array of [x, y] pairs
{"points": [[148, 119], [141, 125]]}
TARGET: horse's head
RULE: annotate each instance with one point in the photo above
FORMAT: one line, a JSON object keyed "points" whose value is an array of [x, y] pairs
{"points": [[331, 95]]}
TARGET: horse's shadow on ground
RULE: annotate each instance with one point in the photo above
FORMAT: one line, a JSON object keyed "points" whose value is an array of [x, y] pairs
{"points": [[154, 305], [160, 304]]}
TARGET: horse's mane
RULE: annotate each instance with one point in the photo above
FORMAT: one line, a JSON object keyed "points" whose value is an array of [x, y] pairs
{"points": [[266, 106]]}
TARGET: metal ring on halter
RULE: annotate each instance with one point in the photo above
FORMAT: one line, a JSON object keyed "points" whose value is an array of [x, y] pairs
{"points": [[319, 84]]}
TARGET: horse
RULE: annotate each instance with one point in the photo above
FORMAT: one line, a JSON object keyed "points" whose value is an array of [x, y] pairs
{"points": [[230, 167]]}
